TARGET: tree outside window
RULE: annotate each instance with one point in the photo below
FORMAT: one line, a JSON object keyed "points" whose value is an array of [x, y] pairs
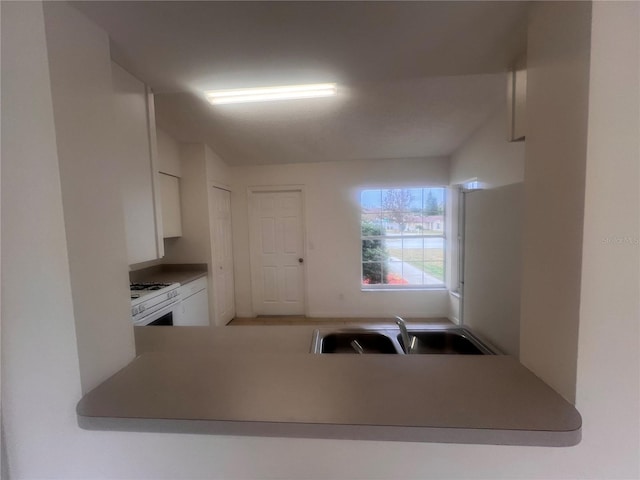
{"points": [[402, 235]]}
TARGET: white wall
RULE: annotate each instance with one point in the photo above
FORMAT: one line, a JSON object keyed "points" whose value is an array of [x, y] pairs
{"points": [[493, 265], [332, 218], [40, 370], [609, 338], [488, 156], [169, 163], [199, 166], [168, 153], [40, 374], [80, 66], [218, 172], [557, 111], [194, 245], [495, 162], [452, 228]]}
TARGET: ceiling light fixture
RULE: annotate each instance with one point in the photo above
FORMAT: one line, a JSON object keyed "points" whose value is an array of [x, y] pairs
{"points": [[266, 94]]}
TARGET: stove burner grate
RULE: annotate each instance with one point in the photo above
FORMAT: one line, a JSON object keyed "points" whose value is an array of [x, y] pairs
{"points": [[148, 286]]}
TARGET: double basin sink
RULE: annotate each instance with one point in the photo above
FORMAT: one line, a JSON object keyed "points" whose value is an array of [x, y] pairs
{"points": [[384, 339]]}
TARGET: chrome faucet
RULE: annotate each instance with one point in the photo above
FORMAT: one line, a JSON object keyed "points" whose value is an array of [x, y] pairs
{"points": [[357, 347], [407, 341]]}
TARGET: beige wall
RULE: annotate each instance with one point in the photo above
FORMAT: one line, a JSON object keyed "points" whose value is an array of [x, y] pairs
{"points": [[40, 374], [80, 66], [332, 218], [557, 103]]}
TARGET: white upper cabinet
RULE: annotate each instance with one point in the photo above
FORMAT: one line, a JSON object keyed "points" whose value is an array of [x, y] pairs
{"points": [[170, 199], [135, 143]]}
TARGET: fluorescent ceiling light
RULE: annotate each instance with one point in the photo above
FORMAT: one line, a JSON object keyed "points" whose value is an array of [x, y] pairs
{"points": [[266, 94]]}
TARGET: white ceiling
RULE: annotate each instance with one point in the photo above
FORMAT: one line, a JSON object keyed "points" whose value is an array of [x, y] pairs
{"points": [[415, 78]]}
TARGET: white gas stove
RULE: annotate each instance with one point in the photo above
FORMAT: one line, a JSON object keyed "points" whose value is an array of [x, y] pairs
{"points": [[154, 303]]}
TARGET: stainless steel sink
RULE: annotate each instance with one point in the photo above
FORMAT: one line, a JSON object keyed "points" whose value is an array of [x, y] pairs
{"points": [[369, 342], [455, 341], [385, 339]]}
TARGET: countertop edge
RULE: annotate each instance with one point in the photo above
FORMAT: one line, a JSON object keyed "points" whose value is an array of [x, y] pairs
{"points": [[193, 276], [528, 412], [336, 431]]}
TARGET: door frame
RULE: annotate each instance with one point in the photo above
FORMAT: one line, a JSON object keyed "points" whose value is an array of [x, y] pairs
{"points": [[257, 189]]}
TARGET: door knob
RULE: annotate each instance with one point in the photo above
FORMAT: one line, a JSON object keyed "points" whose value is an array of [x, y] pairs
{"points": [[301, 260]]}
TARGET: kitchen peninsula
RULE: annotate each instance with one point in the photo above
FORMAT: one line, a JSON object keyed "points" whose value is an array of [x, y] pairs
{"points": [[262, 381]]}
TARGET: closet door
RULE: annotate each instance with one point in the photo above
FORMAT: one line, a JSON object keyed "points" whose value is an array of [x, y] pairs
{"points": [[223, 289]]}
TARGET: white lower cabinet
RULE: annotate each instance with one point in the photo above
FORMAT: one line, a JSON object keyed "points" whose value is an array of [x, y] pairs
{"points": [[195, 304]]}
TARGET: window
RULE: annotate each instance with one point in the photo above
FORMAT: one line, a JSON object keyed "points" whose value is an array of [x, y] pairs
{"points": [[402, 235]]}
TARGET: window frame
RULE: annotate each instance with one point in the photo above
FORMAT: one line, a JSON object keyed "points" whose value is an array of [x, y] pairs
{"points": [[405, 287]]}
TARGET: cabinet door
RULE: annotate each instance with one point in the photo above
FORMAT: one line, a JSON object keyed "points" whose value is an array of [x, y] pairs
{"points": [[135, 137], [195, 310], [170, 204]]}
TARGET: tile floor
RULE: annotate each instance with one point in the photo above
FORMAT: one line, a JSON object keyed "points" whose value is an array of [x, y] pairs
{"points": [[301, 320]]}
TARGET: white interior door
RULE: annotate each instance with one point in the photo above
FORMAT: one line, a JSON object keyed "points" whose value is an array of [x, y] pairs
{"points": [[222, 261], [277, 252]]}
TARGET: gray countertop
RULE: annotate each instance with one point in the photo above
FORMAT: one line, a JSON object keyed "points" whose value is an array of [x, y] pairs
{"points": [[229, 339], [169, 273], [230, 383]]}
